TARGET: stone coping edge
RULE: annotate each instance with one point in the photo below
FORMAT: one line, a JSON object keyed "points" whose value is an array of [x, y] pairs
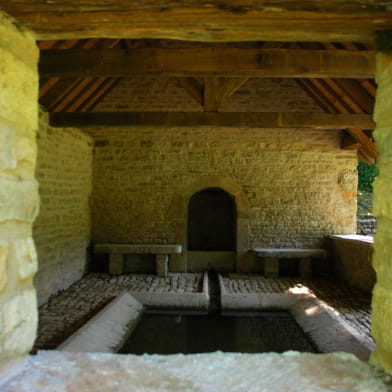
{"points": [[199, 301], [353, 237], [329, 332], [107, 331]]}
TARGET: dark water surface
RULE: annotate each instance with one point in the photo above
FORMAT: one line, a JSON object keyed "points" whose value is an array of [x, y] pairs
{"points": [[255, 333]]}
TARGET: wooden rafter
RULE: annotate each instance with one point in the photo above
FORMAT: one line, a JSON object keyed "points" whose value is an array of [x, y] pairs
{"points": [[207, 62], [202, 20], [100, 92], [55, 98]]}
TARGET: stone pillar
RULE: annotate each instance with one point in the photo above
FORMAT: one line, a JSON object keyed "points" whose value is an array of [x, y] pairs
{"points": [[382, 257], [18, 191]]}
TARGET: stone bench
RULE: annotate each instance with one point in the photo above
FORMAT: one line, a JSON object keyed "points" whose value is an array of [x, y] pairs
{"points": [[272, 256], [117, 251]]}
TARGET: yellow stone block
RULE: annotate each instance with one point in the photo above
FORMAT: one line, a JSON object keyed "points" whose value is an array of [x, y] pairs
{"points": [[383, 104], [19, 200], [383, 137], [20, 323], [18, 40], [3, 264], [18, 90], [383, 67], [382, 320], [26, 258]]}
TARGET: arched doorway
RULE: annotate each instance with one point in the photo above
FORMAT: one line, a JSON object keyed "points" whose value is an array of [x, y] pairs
{"points": [[212, 222]]}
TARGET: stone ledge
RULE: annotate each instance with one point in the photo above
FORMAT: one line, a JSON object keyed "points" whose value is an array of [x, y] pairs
{"points": [[109, 329], [138, 248], [353, 237], [329, 332], [292, 371]]}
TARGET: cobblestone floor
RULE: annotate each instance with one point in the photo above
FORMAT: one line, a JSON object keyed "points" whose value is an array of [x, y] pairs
{"points": [[69, 310], [351, 304]]}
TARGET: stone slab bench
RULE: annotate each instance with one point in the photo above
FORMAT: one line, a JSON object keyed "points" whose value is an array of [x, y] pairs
{"points": [[117, 251], [272, 256]]}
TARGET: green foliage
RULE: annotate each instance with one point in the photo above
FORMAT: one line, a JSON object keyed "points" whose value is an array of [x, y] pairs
{"points": [[366, 175]]}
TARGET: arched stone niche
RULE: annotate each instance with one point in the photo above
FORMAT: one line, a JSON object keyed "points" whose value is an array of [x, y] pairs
{"points": [[179, 212]]}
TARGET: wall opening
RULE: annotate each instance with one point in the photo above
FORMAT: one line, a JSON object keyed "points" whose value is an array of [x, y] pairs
{"points": [[212, 221]]}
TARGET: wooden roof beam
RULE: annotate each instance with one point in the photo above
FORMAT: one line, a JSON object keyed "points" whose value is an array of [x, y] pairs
{"points": [[218, 119], [207, 21], [206, 62]]}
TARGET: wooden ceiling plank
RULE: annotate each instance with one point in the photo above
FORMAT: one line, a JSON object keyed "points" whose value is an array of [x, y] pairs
{"points": [[46, 85], [53, 91], [74, 93], [315, 94], [105, 87], [203, 20], [87, 92], [369, 86], [325, 89], [207, 61], [358, 93], [358, 134], [224, 119], [58, 92], [343, 97], [194, 88]]}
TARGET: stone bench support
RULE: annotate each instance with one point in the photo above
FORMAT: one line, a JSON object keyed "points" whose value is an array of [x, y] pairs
{"points": [[272, 256], [117, 251]]}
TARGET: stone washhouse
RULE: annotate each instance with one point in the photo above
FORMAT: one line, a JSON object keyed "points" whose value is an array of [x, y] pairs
{"points": [[182, 137]]}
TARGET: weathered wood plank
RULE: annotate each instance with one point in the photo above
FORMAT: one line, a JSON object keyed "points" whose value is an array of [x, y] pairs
{"points": [[203, 20], [207, 62], [188, 119]]}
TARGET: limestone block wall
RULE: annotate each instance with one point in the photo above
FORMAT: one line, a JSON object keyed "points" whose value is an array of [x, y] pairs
{"points": [[352, 256], [18, 190], [292, 187], [382, 209], [62, 228]]}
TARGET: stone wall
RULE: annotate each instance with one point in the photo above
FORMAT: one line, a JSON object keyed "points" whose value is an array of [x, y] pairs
{"points": [[292, 187], [382, 209], [352, 256], [62, 229], [18, 190], [366, 225]]}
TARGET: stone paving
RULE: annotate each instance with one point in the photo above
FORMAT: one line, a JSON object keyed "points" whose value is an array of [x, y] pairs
{"points": [[69, 310], [351, 304]]}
